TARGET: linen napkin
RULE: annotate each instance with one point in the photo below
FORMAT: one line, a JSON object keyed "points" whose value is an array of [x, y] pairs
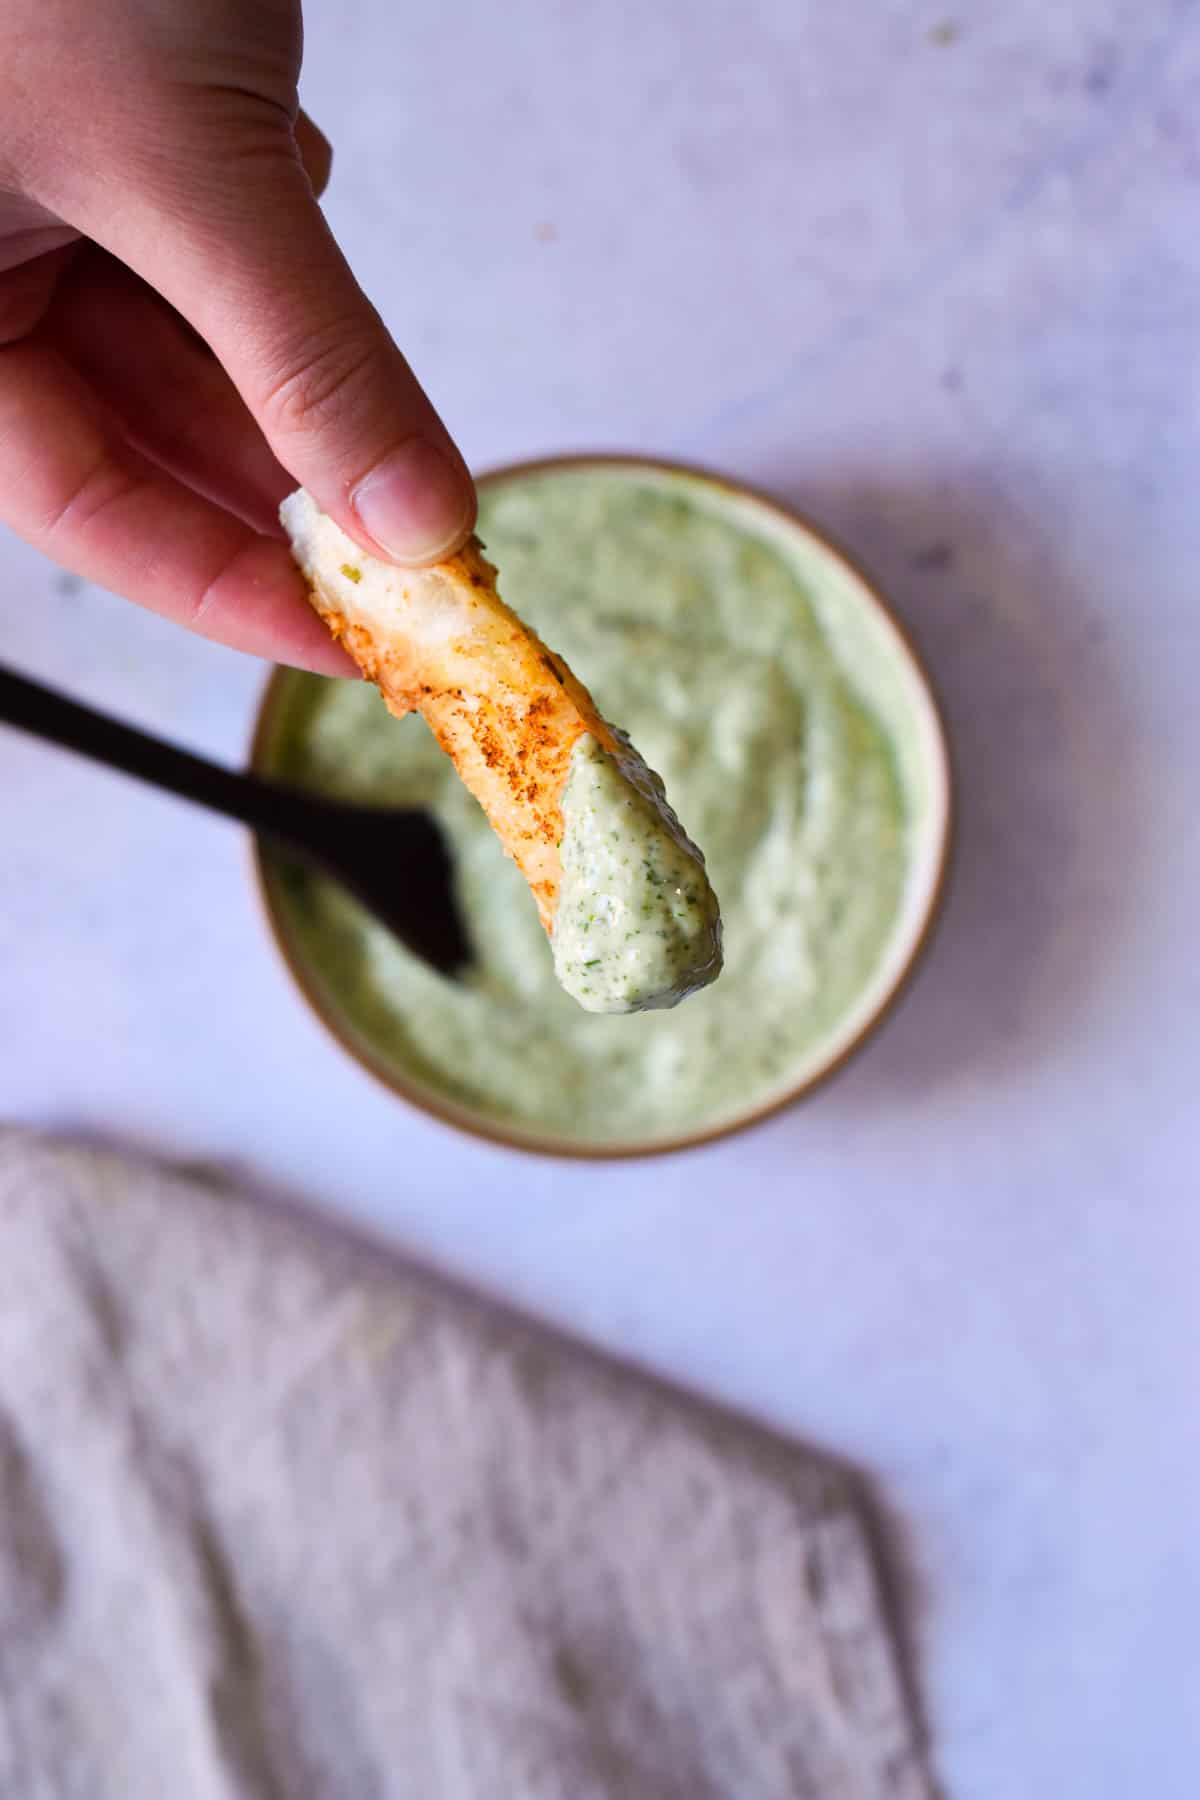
{"points": [[281, 1520]]}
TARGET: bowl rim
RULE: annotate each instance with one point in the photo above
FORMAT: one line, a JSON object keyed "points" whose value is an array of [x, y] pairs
{"points": [[445, 1111]]}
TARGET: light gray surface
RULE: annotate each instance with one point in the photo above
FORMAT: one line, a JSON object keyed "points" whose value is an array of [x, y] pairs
{"points": [[948, 297]]}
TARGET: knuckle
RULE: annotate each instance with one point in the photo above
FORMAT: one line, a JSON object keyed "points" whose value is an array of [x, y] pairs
{"points": [[321, 381], [91, 494]]}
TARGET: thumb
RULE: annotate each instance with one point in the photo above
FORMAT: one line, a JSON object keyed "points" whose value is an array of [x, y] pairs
{"points": [[237, 243]]}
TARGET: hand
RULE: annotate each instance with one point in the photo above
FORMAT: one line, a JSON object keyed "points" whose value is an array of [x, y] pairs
{"points": [[158, 197]]}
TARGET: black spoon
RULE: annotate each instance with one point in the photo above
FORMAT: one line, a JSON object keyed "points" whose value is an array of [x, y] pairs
{"points": [[396, 862]]}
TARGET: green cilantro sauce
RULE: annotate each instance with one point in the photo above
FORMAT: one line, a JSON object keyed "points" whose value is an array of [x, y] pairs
{"points": [[707, 642], [637, 924]]}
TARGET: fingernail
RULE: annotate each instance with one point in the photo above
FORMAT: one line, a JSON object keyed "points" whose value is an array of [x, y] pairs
{"points": [[415, 505]]}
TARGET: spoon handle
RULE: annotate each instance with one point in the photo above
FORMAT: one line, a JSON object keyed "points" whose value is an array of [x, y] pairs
{"points": [[278, 811]]}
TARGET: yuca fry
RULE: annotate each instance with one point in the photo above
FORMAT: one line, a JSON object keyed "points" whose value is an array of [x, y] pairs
{"points": [[510, 714], [441, 641]]}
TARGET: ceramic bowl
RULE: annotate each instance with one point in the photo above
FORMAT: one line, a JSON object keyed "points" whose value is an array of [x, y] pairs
{"points": [[870, 640]]}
